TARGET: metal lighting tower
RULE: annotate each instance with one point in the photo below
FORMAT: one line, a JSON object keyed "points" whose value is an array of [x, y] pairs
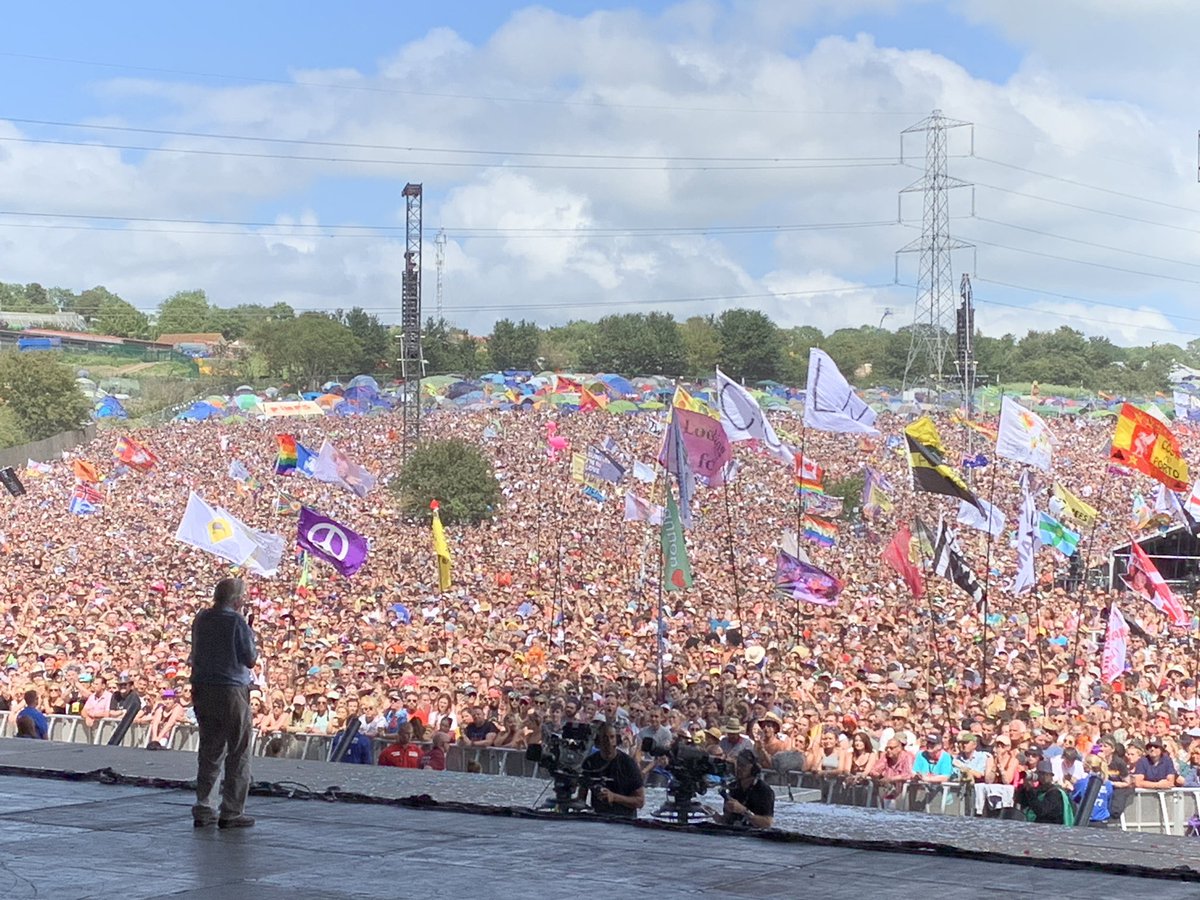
{"points": [[411, 363], [439, 256], [934, 314]]}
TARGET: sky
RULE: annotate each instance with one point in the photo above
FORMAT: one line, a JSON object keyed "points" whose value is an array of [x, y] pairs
{"points": [[588, 158]]}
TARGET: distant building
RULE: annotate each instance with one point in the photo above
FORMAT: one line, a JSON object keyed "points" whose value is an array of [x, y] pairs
{"points": [[18, 321], [197, 345]]}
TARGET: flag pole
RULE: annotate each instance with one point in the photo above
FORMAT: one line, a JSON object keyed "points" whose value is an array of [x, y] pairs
{"points": [[658, 637], [737, 590], [800, 504], [985, 662], [931, 638], [1087, 560]]}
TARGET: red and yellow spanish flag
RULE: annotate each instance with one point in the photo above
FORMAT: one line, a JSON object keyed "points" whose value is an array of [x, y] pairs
{"points": [[1144, 443]]}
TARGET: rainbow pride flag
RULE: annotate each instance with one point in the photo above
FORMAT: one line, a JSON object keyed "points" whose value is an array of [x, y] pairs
{"points": [[287, 460], [820, 530]]}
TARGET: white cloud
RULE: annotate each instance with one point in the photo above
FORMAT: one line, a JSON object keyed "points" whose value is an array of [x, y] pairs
{"points": [[715, 89]]}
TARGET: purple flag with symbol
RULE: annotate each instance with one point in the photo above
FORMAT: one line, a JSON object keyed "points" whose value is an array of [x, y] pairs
{"points": [[331, 541]]}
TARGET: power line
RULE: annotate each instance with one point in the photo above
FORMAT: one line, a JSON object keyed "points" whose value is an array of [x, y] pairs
{"points": [[1081, 208], [1084, 262], [1074, 317], [372, 231], [163, 132], [1089, 300], [447, 95], [851, 163], [1108, 247], [1090, 187]]}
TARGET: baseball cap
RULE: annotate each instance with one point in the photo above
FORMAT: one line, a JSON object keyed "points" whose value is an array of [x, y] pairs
{"points": [[1154, 742], [933, 738]]}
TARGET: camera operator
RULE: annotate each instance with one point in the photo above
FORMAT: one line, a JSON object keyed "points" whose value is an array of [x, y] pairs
{"points": [[750, 801], [612, 777]]}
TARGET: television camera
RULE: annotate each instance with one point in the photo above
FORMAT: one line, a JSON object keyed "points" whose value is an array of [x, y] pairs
{"points": [[562, 755], [692, 772]]}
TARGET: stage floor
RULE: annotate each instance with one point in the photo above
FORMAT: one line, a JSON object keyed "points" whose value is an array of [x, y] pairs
{"points": [[64, 838]]}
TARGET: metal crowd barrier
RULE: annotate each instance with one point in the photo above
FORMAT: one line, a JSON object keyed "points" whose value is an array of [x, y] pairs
{"points": [[1149, 811]]}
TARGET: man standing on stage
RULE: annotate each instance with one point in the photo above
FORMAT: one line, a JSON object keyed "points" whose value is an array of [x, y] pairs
{"points": [[223, 651]]}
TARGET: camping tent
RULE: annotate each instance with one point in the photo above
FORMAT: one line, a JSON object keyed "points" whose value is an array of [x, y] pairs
{"points": [[110, 408]]}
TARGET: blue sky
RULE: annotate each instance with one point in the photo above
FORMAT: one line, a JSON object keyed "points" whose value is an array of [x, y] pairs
{"points": [[1032, 77]]}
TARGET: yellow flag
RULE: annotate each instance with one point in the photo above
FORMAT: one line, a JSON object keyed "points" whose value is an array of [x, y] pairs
{"points": [[684, 400], [441, 549], [1085, 515]]}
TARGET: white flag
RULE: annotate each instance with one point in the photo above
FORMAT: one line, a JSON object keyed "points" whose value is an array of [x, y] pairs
{"points": [[639, 510], [744, 420], [643, 472], [1112, 663], [830, 404], [1027, 539], [970, 515], [1023, 436], [335, 467], [217, 531], [238, 471]]}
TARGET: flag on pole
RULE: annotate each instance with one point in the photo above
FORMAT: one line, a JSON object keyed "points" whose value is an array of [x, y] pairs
{"points": [[948, 562], [287, 460], [927, 465], [989, 519], [643, 472], [79, 504], [639, 510], [799, 580], [676, 462], [925, 538], [335, 467], [819, 530], [875, 498], [1116, 642], [809, 476], [898, 555], [85, 471], [441, 549], [1143, 578], [216, 531], [744, 420], [1027, 538], [134, 455], [12, 484], [1084, 514], [601, 464], [677, 570], [704, 439], [1144, 443], [1023, 436], [331, 541], [830, 404], [1052, 533]]}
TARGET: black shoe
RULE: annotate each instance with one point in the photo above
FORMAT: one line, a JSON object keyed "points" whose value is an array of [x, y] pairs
{"points": [[198, 822], [242, 821]]}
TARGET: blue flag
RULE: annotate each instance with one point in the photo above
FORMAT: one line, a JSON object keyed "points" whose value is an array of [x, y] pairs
{"points": [[306, 460], [675, 459], [1054, 533]]}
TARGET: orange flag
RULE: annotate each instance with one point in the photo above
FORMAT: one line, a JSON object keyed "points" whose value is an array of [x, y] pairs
{"points": [[85, 471], [588, 400], [1144, 443]]}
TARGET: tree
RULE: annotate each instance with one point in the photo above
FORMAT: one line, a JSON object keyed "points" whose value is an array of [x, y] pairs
{"points": [[456, 474], [636, 344], [751, 345], [514, 346], [87, 305], [120, 319], [855, 349], [373, 336], [38, 298], [796, 344], [447, 349], [309, 349], [40, 391], [562, 348], [184, 312], [701, 346]]}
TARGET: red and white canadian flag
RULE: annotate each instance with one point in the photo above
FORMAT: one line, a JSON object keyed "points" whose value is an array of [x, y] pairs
{"points": [[1144, 579]]}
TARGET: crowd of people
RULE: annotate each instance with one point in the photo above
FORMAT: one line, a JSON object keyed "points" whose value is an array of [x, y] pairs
{"points": [[553, 611]]}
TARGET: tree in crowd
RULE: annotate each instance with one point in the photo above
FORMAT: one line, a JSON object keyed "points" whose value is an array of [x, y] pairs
{"points": [[751, 345], [308, 349], [40, 392], [513, 346], [636, 344], [454, 473], [447, 349]]}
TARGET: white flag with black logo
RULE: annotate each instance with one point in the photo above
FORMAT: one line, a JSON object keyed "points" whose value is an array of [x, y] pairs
{"points": [[948, 562]]}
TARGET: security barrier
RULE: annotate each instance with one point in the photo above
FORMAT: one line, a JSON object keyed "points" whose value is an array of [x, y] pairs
{"points": [[1170, 812]]}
